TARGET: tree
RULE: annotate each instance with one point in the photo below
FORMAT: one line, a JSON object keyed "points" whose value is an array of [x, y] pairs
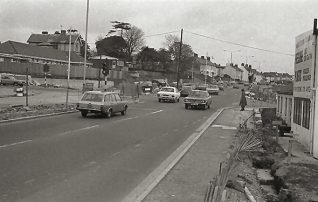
{"points": [[82, 48], [112, 46], [134, 38], [119, 26], [173, 44]]}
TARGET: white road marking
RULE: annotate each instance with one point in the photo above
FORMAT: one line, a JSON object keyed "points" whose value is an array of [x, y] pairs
{"points": [[115, 154], [16, 143], [77, 130], [29, 181], [156, 112], [137, 145], [224, 127]]}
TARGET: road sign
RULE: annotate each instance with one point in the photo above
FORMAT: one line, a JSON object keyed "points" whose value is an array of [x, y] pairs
{"points": [[46, 68]]}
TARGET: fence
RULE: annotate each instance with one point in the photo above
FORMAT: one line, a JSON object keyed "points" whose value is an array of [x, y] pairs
{"points": [[57, 71]]}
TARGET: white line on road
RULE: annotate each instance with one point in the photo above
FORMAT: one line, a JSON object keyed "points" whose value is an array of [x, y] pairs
{"points": [[13, 144], [224, 127], [78, 130], [115, 154]]}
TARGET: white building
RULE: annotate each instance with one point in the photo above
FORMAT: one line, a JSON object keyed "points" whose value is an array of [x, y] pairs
{"points": [[305, 109]]}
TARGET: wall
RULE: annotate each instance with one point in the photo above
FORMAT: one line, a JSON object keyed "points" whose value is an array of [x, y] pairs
{"points": [[58, 71]]}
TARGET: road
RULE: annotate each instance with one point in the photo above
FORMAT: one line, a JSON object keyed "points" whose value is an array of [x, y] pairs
{"points": [[70, 158]]}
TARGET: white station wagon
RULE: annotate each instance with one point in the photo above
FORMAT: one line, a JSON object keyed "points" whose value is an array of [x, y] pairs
{"points": [[106, 103]]}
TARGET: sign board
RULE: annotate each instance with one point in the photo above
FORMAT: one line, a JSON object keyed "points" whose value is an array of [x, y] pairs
{"points": [[303, 65]]}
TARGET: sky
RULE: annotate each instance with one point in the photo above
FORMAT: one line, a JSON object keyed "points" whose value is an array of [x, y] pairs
{"points": [[211, 27]]}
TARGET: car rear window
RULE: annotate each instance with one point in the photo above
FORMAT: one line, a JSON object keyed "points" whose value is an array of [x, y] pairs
{"points": [[167, 89], [94, 97], [199, 94]]}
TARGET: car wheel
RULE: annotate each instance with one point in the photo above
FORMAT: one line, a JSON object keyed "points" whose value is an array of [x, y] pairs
{"points": [[159, 100], [208, 106], [84, 113], [124, 111], [186, 106], [178, 99], [109, 113]]}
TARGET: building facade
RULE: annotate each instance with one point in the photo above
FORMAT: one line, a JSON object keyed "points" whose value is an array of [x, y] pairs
{"points": [[304, 119]]}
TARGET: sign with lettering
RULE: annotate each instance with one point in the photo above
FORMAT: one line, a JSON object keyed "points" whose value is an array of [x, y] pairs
{"points": [[303, 63]]}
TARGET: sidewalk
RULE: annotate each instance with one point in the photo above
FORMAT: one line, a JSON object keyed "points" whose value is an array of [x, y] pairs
{"points": [[188, 180]]}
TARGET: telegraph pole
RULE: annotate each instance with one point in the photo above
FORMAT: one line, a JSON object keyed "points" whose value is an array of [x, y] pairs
{"points": [[85, 53], [178, 65]]}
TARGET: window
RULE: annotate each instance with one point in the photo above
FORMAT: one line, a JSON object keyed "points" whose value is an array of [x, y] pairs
{"points": [[117, 97], [286, 106], [306, 113], [297, 110], [278, 103]]}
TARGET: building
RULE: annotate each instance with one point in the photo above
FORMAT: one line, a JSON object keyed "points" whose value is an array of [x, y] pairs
{"points": [[207, 68], [305, 110], [245, 72], [58, 40], [12, 53], [229, 71], [285, 103]]}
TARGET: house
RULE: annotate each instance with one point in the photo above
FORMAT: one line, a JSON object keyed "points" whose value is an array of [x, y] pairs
{"points": [[238, 73], [304, 122], [58, 40], [229, 71], [284, 103], [12, 53], [245, 72], [258, 77], [207, 68], [220, 73]]}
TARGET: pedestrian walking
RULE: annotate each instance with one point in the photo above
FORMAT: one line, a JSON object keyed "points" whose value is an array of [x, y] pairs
{"points": [[243, 101]]}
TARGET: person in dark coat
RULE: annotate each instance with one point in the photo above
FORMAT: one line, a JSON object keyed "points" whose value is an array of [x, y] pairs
{"points": [[243, 101]]}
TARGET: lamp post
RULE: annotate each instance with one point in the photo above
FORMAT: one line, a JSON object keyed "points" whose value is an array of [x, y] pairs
{"points": [[85, 53], [206, 67], [232, 53]]}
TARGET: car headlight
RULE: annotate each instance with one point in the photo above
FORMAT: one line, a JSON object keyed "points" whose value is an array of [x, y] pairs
{"points": [[203, 101]]}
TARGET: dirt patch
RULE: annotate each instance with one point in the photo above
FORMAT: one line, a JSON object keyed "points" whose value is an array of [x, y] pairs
{"points": [[34, 110]]}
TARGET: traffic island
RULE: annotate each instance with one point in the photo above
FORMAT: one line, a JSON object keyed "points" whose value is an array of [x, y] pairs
{"points": [[19, 112]]}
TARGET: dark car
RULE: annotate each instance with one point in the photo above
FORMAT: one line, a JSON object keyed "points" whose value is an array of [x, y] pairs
{"points": [[198, 99], [186, 90]]}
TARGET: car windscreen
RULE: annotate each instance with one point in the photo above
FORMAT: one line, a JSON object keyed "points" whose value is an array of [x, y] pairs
{"points": [[94, 97], [199, 94], [167, 89]]}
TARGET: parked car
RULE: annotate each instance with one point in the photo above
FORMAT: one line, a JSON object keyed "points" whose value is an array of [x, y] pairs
{"points": [[213, 89], [168, 94], [100, 102], [185, 91], [201, 87], [198, 99], [7, 79]]}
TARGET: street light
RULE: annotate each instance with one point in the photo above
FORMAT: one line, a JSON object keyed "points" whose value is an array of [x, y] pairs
{"points": [[69, 64], [85, 53], [232, 53]]}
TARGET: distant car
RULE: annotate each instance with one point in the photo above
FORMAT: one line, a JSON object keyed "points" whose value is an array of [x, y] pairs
{"points": [[168, 94], [235, 85], [198, 99], [221, 87], [186, 90], [213, 89], [100, 102], [201, 87], [6, 79]]}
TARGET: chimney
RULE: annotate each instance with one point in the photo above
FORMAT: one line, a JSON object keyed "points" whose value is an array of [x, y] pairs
{"points": [[208, 58], [63, 31], [202, 57], [195, 55], [56, 32], [44, 32]]}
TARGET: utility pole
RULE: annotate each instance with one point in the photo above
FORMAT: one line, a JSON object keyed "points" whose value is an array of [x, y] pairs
{"points": [[68, 67], [85, 53], [315, 96], [206, 68], [178, 66]]}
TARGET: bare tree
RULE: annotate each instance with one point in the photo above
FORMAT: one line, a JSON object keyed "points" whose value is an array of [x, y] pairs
{"points": [[134, 38]]}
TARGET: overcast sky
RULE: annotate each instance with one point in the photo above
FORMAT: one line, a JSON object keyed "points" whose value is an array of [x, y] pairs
{"points": [[271, 25]]}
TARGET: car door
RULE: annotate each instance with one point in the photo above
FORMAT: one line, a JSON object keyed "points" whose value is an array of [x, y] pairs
{"points": [[119, 102], [114, 103]]}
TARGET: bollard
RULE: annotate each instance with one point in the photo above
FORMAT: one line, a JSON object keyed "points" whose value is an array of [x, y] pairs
{"points": [[290, 147], [277, 133]]}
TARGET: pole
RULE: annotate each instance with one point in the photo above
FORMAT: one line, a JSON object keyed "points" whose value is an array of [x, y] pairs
{"points": [[45, 79], [315, 97], [68, 67], [27, 86], [85, 53], [178, 66], [206, 68], [100, 58], [192, 75], [231, 58]]}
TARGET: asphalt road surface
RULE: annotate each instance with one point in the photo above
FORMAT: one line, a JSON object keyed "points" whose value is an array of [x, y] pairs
{"points": [[70, 158]]}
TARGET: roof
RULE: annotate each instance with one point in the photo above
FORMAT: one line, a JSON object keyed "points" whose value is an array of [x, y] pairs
{"points": [[22, 49], [204, 61], [52, 38]]}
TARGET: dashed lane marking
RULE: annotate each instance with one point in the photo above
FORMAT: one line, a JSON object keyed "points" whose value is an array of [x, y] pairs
{"points": [[77, 130], [14, 144], [224, 127]]}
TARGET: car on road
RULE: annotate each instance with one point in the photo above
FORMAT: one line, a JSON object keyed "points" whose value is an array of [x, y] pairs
{"points": [[101, 102], [8, 79], [168, 94], [185, 91], [213, 89], [201, 87], [198, 99]]}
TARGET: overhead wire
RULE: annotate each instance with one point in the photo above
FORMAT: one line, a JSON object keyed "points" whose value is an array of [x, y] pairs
{"points": [[242, 45]]}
